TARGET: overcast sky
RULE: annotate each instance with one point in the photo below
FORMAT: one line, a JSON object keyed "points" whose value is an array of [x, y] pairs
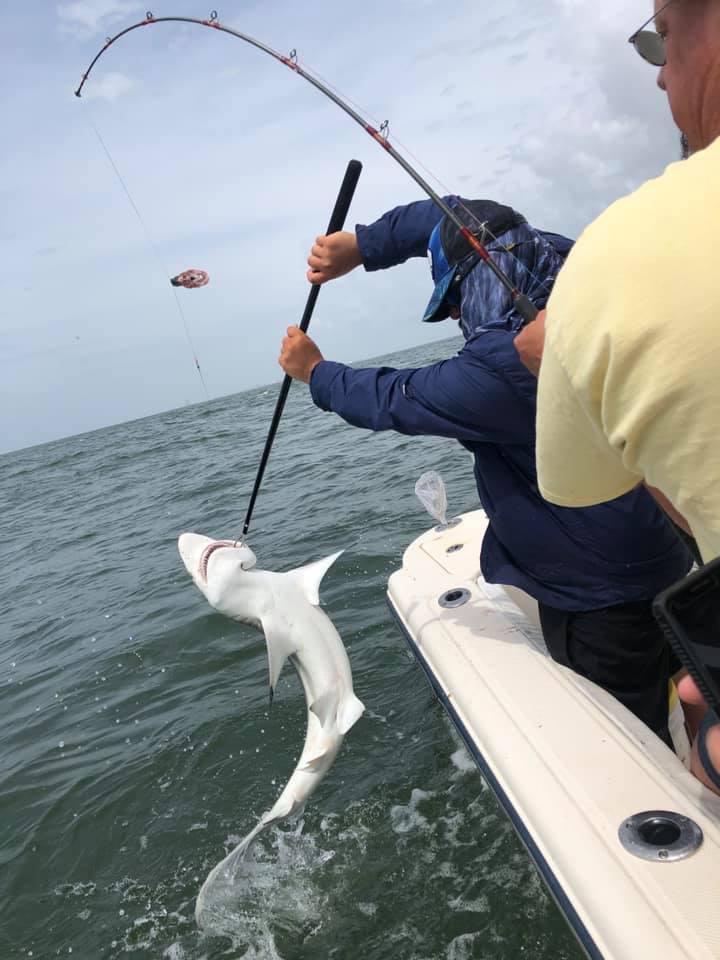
{"points": [[234, 164]]}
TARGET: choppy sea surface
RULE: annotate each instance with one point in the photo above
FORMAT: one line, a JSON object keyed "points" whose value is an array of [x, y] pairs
{"points": [[137, 745]]}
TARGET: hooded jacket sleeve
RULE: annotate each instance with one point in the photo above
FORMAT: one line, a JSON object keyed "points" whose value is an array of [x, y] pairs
{"points": [[460, 398], [399, 234]]}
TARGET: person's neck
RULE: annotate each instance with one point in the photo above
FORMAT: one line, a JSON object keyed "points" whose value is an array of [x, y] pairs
{"points": [[707, 135], [709, 128]]}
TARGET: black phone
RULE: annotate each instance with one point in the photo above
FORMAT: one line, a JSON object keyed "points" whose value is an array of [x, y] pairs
{"points": [[689, 614]]}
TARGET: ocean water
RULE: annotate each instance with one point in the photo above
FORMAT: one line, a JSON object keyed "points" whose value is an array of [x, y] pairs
{"points": [[137, 745]]}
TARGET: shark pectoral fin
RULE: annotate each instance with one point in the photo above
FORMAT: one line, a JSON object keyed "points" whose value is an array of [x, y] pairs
{"points": [[325, 708], [279, 648], [349, 712], [309, 577]]}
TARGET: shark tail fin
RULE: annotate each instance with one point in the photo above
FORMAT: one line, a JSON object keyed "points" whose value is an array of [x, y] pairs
{"points": [[350, 711], [310, 576], [214, 890]]}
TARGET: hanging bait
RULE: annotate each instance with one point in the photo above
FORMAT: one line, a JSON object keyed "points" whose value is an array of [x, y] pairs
{"points": [[190, 279]]}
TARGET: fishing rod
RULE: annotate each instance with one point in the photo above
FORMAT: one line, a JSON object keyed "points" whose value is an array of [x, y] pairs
{"points": [[337, 222], [522, 303]]}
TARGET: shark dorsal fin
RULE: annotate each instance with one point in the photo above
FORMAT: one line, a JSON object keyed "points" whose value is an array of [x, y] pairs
{"points": [[308, 577]]}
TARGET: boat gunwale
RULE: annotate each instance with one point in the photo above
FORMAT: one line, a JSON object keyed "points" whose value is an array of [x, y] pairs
{"points": [[581, 932]]}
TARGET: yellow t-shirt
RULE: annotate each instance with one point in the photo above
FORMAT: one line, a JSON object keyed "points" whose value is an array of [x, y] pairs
{"points": [[629, 386]]}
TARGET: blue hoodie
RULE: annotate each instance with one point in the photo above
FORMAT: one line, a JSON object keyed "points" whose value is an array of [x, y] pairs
{"points": [[571, 559]]}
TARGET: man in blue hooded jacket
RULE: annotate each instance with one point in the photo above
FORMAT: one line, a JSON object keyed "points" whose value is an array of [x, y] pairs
{"points": [[594, 572]]}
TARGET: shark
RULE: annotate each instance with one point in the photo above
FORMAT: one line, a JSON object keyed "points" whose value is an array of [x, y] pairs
{"points": [[286, 607]]}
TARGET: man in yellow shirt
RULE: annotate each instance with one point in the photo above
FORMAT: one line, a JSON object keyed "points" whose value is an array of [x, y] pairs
{"points": [[629, 388]]}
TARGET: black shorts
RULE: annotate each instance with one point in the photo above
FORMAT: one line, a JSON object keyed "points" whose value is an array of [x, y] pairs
{"points": [[622, 649]]}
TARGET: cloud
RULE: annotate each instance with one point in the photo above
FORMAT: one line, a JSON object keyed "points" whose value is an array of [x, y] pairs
{"points": [[109, 86], [88, 17], [234, 165]]}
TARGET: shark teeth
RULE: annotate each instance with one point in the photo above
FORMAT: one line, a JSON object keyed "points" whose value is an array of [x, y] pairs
{"points": [[209, 550]]}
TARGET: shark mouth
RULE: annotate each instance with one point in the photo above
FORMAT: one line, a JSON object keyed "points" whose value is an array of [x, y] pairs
{"points": [[208, 552]]}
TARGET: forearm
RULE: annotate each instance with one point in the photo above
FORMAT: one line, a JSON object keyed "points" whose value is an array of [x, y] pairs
{"points": [[399, 234], [370, 398], [456, 398], [529, 343]]}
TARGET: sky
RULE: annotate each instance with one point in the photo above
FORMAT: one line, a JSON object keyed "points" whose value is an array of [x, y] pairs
{"points": [[233, 163]]}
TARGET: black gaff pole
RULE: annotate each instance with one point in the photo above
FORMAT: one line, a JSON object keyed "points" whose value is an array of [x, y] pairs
{"points": [[523, 305], [337, 222]]}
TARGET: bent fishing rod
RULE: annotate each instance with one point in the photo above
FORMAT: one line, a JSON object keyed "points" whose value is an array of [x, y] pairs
{"points": [[524, 306]]}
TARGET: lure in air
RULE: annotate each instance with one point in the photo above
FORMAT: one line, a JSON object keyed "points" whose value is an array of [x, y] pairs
{"points": [[190, 279]]}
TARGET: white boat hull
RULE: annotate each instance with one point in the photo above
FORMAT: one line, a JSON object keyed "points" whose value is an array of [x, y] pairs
{"points": [[568, 763]]}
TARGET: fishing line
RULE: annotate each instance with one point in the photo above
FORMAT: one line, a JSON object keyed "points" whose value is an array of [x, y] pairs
{"points": [[153, 245], [540, 281], [522, 304]]}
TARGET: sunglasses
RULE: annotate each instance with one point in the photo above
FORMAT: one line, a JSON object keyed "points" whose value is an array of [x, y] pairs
{"points": [[649, 44]]}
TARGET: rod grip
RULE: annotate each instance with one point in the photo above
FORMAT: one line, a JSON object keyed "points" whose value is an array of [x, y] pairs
{"points": [[344, 198], [337, 222], [526, 308]]}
